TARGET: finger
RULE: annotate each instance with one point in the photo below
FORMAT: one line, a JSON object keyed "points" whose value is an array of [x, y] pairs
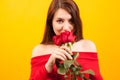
{"points": [[59, 57], [67, 49], [58, 53], [66, 54]]}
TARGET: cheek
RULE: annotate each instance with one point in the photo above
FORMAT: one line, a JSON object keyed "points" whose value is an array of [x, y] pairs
{"points": [[56, 28], [71, 28]]}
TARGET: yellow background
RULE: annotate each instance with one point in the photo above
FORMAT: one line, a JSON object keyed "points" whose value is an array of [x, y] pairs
{"points": [[22, 25]]}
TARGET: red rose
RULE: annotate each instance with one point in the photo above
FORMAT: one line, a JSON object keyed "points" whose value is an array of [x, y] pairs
{"points": [[64, 37], [57, 40], [71, 37]]}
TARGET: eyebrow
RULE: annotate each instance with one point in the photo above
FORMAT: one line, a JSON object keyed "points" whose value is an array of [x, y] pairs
{"points": [[63, 18], [59, 18]]}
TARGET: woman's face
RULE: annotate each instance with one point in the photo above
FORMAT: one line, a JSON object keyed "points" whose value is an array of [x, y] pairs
{"points": [[62, 21]]}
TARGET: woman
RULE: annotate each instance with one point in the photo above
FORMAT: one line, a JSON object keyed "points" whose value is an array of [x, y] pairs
{"points": [[63, 15]]}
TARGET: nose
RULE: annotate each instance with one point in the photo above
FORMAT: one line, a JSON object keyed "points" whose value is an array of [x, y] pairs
{"points": [[67, 26]]}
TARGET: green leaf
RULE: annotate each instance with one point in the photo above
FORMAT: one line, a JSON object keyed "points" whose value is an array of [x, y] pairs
{"points": [[65, 76], [77, 64], [88, 72], [68, 63], [81, 75], [74, 69], [75, 55], [61, 70], [77, 73]]}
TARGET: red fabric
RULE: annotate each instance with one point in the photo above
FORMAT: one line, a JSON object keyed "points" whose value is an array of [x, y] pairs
{"points": [[88, 60]]}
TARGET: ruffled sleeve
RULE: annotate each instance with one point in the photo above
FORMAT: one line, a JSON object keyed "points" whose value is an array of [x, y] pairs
{"points": [[38, 70]]}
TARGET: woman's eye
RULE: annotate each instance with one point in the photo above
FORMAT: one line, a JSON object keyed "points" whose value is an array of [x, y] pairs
{"points": [[59, 21]]}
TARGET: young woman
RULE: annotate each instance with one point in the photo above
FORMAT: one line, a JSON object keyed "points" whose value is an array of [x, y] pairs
{"points": [[63, 15]]}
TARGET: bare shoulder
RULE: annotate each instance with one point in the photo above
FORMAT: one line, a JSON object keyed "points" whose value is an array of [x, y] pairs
{"points": [[38, 50], [84, 46], [42, 49]]}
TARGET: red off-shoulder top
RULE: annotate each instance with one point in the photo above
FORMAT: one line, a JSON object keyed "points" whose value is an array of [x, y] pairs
{"points": [[88, 60]]}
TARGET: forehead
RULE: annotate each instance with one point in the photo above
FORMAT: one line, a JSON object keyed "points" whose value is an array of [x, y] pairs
{"points": [[62, 13]]}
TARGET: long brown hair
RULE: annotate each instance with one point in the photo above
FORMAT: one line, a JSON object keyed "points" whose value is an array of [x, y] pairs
{"points": [[71, 7]]}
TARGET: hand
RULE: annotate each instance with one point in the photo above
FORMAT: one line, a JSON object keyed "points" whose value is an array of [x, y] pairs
{"points": [[61, 53]]}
